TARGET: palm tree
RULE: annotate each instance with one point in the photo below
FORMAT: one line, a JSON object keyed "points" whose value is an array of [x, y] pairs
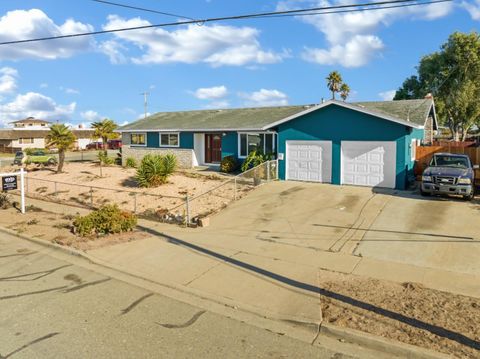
{"points": [[105, 130], [344, 91], [334, 81], [62, 138]]}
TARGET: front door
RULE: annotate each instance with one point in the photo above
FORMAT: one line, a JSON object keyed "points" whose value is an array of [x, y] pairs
{"points": [[213, 147]]}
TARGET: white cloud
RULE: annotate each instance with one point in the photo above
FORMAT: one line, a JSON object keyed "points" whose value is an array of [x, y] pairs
{"points": [[36, 105], [473, 8], [8, 80], [211, 93], [34, 23], [387, 95], [217, 45], [114, 50], [91, 116], [358, 51], [265, 97], [43, 85], [347, 33], [69, 91]]}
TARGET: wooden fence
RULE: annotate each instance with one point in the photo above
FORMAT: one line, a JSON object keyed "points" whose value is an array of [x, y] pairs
{"points": [[424, 155]]}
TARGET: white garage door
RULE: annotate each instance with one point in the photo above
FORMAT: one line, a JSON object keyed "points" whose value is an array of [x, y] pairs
{"points": [[309, 161], [369, 163]]}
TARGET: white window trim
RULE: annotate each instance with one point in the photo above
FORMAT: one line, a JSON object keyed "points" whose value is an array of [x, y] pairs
{"points": [[274, 140], [413, 149], [168, 133], [138, 133]]}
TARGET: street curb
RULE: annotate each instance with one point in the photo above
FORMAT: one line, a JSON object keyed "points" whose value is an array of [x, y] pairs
{"points": [[300, 328], [380, 344]]}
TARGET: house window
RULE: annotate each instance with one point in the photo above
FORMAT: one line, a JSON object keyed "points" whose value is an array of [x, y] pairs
{"points": [[169, 140], [263, 142], [138, 139], [25, 141]]}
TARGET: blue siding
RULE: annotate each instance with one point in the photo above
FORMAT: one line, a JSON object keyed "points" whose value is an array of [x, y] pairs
{"points": [[230, 144], [153, 139], [336, 124], [186, 140]]}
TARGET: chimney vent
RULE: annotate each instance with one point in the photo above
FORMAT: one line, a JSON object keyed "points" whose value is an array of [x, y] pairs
{"points": [[429, 95]]}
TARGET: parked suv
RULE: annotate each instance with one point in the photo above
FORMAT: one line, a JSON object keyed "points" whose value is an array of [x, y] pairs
{"points": [[449, 173], [36, 157]]}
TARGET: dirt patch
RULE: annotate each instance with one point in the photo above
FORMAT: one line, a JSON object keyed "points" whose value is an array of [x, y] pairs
{"points": [[407, 313], [81, 184], [349, 201], [427, 214], [56, 228]]}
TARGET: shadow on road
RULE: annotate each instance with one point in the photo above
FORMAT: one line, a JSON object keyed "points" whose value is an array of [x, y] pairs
{"points": [[416, 323]]}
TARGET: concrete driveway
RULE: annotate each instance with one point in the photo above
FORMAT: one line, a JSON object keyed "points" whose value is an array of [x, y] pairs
{"points": [[388, 225]]}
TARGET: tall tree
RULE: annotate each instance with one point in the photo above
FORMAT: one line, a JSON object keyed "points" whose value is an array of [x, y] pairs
{"points": [[105, 130], [344, 91], [453, 76], [61, 138], [334, 81]]}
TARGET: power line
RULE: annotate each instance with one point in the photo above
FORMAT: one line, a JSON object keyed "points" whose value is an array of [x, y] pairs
{"points": [[141, 9], [225, 18]]}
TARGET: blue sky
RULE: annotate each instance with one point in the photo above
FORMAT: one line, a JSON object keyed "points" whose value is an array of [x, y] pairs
{"points": [[229, 64]]}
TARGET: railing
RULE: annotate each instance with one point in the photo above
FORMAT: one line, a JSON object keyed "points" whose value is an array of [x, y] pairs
{"points": [[186, 210]]}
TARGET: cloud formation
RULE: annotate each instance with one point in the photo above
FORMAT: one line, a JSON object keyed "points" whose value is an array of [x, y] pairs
{"points": [[264, 98], [8, 80], [211, 93], [216, 45], [34, 23]]}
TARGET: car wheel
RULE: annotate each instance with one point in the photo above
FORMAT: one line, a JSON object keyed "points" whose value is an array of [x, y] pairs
{"points": [[469, 197], [52, 162]]}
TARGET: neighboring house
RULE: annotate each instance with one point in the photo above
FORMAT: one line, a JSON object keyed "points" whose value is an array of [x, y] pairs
{"points": [[368, 143], [31, 133]]}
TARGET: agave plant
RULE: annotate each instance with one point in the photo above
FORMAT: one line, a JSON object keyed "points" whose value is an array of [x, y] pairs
{"points": [[155, 169]]}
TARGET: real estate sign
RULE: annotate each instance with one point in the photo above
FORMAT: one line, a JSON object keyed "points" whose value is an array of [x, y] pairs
{"points": [[9, 183]]}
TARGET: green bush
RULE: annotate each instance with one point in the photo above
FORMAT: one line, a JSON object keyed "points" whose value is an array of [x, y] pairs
{"points": [[155, 169], [228, 164], [108, 219], [131, 162], [254, 159], [104, 159]]}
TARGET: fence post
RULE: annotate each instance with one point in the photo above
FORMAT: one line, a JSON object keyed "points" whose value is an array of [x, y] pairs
{"points": [[91, 197], [134, 202], [268, 171], [187, 203], [276, 169], [235, 188]]}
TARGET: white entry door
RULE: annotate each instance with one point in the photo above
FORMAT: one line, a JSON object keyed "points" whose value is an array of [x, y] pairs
{"points": [[309, 161], [368, 163]]}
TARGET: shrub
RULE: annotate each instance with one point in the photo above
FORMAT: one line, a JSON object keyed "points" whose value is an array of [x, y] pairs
{"points": [[228, 164], [5, 201], [108, 219], [155, 169], [254, 159], [131, 162], [104, 159]]}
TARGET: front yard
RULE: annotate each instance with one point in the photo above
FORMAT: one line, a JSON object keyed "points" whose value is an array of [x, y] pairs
{"points": [[84, 184]]}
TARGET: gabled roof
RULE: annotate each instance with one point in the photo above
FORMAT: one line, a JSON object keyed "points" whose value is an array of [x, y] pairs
{"points": [[11, 134], [30, 119], [411, 113]]}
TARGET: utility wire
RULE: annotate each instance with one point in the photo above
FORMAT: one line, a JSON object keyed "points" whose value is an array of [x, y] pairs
{"points": [[142, 9], [225, 18]]}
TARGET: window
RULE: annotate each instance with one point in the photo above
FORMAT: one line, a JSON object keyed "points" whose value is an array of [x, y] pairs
{"points": [[413, 149], [169, 140], [263, 142], [24, 141], [138, 139]]}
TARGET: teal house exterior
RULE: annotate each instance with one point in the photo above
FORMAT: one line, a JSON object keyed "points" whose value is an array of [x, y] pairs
{"points": [[367, 144]]}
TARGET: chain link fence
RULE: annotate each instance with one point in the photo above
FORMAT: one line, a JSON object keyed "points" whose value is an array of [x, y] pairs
{"points": [[184, 210]]}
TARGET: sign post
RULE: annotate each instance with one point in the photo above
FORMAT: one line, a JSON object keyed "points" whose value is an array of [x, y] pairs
{"points": [[9, 183]]}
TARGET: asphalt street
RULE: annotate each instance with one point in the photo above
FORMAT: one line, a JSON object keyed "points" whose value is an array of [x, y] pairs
{"points": [[51, 308]]}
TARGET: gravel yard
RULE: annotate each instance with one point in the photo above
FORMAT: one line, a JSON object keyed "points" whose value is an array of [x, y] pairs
{"points": [[83, 184]]}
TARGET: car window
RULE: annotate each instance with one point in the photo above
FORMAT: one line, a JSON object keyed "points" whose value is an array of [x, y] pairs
{"points": [[19, 154], [450, 161]]}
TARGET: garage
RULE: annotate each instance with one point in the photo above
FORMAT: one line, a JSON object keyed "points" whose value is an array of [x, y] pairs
{"points": [[368, 163], [309, 161]]}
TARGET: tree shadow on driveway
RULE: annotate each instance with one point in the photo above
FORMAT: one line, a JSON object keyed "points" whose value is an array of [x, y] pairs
{"points": [[416, 323]]}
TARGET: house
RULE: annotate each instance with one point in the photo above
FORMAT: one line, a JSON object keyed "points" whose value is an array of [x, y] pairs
{"points": [[365, 143], [31, 133]]}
